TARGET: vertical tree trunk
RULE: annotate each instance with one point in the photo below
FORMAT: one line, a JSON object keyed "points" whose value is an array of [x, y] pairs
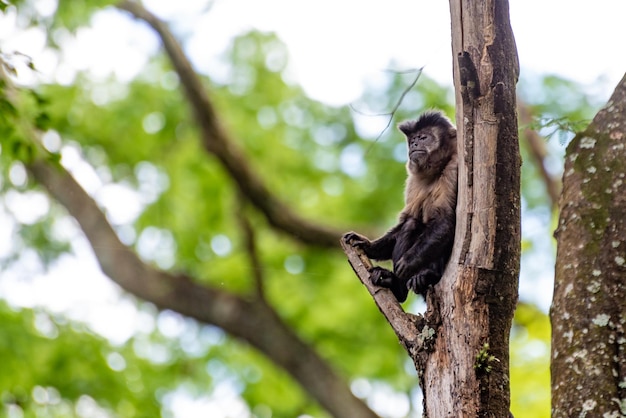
{"points": [[588, 311], [467, 374], [461, 346]]}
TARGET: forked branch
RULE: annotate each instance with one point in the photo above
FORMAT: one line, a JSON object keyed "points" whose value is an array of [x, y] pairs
{"points": [[412, 330], [251, 320], [217, 141]]}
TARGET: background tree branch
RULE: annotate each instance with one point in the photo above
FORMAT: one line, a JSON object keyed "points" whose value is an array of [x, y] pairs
{"points": [[537, 148], [253, 321], [217, 141], [249, 239]]}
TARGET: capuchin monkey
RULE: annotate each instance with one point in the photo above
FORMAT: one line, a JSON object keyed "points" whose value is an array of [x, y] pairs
{"points": [[420, 244]]}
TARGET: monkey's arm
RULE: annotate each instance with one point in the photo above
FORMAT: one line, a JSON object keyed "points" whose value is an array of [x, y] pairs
{"points": [[434, 242], [379, 249]]}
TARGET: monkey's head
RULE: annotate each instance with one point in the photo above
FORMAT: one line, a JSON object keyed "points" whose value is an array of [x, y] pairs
{"points": [[431, 141]]}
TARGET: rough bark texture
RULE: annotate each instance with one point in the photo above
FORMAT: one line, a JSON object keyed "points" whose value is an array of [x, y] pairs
{"points": [[589, 306], [467, 374], [461, 345]]}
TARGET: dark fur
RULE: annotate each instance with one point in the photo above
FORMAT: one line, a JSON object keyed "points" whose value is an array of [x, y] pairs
{"points": [[421, 242]]}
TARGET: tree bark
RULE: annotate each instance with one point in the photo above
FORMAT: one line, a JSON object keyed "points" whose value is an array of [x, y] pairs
{"points": [[461, 345], [467, 374], [588, 310]]}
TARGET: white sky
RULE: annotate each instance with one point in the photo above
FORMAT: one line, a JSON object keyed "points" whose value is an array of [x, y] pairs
{"points": [[334, 46]]}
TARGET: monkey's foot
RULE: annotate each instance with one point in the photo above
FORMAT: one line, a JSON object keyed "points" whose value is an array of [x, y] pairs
{"points": [[384, 278], [419, 283]]}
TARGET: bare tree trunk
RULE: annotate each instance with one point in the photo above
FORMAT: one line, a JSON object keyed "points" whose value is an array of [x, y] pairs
{"points": [[589, 306], [460, 347], [467, 375]]}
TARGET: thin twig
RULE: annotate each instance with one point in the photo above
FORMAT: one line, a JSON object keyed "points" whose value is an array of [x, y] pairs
{"points": [[249, 238], [395, 108]]}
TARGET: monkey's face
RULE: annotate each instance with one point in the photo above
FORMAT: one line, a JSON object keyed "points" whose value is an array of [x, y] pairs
{"points": [[422, 144]]}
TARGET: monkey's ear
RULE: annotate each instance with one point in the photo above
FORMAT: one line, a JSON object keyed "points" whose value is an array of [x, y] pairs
{"points": [[452, 132], [407, 127]]}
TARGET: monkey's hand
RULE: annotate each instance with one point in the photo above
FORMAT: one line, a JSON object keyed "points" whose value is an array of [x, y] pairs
{"points": [[404, 267], [357, 240]]}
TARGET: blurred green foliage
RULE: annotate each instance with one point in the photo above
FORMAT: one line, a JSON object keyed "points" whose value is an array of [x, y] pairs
{"points": [[49, 362], [316, 157], [530, 359]]}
